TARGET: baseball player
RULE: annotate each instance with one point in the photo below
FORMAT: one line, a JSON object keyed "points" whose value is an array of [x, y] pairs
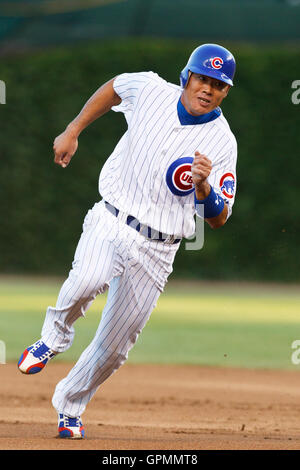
{"points": [[176, 160]]}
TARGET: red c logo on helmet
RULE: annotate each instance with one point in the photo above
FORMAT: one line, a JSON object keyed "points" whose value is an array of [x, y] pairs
{"points": [[217, 62]]}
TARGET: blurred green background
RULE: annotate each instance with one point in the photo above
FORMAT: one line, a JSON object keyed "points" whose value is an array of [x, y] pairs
{"points": [[54, 55], [224, 324]]}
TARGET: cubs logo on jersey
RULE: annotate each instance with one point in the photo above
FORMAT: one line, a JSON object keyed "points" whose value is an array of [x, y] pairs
{"points": [[227, 185], [179, 176]]}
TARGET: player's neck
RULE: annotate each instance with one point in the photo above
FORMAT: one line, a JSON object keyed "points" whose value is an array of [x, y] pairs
{"points": [[187, 118]]}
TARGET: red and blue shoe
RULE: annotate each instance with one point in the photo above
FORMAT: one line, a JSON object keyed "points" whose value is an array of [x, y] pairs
{"points": [[70, 428], [35, 357]]}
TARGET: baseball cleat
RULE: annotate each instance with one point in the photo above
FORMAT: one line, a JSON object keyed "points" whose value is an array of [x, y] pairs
{"points": [[70, 428], [35, 357]]}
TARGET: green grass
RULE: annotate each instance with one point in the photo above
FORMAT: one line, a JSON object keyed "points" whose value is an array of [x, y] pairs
{"points": [[235, 325]]}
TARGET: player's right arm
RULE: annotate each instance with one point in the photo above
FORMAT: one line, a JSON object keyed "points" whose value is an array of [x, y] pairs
{"points": [[65, 145]]}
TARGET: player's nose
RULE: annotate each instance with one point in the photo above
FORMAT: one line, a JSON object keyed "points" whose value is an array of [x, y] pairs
{"points": [[207, 88]]}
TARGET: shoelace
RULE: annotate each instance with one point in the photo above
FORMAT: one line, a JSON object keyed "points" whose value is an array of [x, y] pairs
{"points": [[47, 355], [37, 346], [72, 422]]}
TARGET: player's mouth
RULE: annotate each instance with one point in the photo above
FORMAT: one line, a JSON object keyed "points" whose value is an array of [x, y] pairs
{"points": [[204, 101]]}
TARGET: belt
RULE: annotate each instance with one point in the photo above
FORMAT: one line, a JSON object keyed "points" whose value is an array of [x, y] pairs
{"points": [[144, 230]]}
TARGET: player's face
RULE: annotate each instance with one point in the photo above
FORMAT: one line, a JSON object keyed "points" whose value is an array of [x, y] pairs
{"points": [[202, 94]]}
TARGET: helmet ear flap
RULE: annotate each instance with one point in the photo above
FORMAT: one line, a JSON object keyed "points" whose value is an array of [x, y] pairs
{"points": [[185, 77], [188, 79]]}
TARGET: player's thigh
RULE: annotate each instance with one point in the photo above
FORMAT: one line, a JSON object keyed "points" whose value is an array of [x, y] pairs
{"points": [[129, 305], [96, 260]]}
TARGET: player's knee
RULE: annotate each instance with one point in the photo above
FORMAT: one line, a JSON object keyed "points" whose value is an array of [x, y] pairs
{"points": [[118, 352], [112, 357], [88, 287]]}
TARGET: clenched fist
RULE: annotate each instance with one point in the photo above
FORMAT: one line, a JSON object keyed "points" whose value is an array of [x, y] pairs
{"points": [[201, 168], [64, 146]]}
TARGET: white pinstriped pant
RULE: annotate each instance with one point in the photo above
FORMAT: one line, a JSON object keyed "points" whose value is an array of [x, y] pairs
{"points": [[109, 255]]}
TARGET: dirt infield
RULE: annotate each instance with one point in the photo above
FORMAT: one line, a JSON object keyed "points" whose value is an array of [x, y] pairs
{"points": [[158, 407]]}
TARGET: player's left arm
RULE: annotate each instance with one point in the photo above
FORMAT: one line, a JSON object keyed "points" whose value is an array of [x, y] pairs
{"points": [[201, 169], [65, 145]]}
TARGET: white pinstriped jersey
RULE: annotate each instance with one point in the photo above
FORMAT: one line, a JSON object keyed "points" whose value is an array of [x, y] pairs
{"points": [[133, 178]]}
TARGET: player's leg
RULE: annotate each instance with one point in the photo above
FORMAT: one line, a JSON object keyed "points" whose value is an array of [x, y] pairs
{"points": [[129, 305], [131, 299], [96, 262]]}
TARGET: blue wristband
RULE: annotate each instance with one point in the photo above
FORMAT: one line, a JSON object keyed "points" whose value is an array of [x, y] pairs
{"points": [[213, 204]]}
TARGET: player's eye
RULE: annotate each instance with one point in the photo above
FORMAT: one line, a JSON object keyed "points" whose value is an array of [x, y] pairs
{"points": [[214, 83], [219, 85]]}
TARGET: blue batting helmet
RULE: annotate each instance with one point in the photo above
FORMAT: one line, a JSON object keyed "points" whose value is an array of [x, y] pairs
{"points": [[212, 60]]}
